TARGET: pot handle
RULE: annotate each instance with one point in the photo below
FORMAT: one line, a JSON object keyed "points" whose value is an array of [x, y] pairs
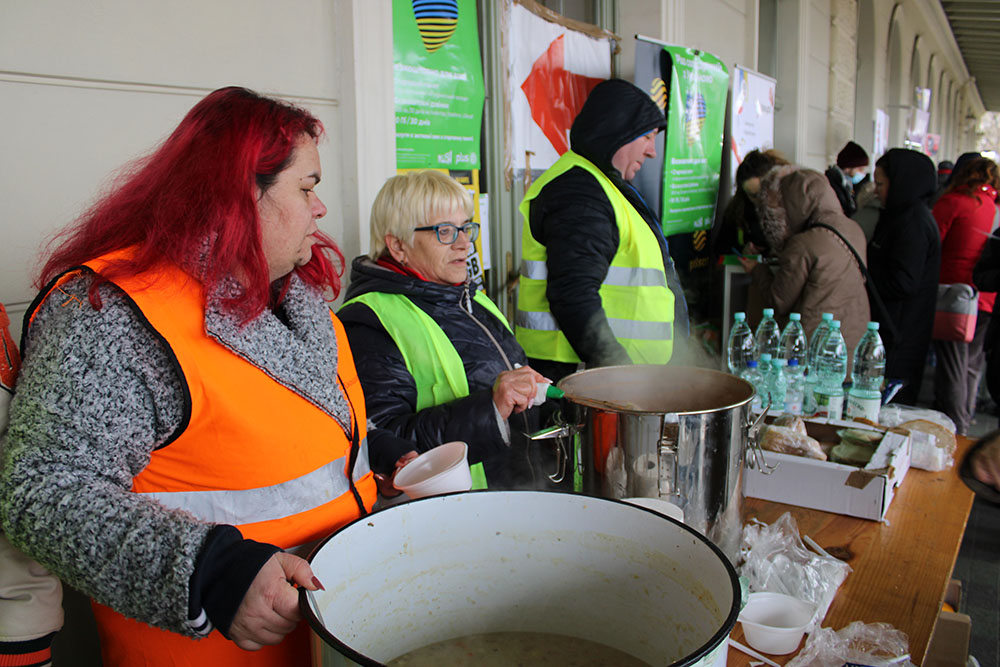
{"points": [[562, 454], [755, 459]]}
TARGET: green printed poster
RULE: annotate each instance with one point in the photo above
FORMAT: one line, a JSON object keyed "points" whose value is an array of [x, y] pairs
{"points": [[439, 83], [692, 151]]}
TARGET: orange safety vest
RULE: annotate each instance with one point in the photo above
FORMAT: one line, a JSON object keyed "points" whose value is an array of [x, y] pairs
{"points": [[253, 454]]}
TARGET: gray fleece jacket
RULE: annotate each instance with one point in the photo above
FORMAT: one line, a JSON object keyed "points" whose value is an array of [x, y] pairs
{"points": [[98, 392]]}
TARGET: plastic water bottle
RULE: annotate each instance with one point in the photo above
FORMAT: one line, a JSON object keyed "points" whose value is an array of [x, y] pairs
{"points": [[740, 348], [752, 375], [864, 399], [778, 384], [768, 335], [795, 387], [831, 366], [793, 343], [766, 369], [809, 390]]}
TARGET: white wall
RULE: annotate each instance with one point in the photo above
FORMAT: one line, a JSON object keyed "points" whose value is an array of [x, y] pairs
{"points": [[87, 86], [724, 28]]}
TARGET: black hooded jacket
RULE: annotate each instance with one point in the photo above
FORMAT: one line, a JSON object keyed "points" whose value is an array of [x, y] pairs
{"points": [[485, 346], [574, 220], [904, 258]]}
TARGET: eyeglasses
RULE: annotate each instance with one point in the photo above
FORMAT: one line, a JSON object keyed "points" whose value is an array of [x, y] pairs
{"points": [[447, 233]]}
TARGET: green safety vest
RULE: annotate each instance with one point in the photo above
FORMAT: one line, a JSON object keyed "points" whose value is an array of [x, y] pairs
{"points": [[430, 357], [636, 300]]}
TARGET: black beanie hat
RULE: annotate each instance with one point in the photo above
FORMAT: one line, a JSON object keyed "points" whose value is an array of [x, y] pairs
{"points": [[852, 155]]}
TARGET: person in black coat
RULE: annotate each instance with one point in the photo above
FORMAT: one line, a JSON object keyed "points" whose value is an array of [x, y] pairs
{"points": [[426, 267], [574, 219], [904, 258], [986, 278]]}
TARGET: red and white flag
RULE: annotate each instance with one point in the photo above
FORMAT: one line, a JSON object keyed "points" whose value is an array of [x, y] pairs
{"points": [[552, 70]]}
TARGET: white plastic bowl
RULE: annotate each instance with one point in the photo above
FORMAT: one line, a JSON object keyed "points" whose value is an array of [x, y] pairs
{"points": [[443, 469], [773, 622]]}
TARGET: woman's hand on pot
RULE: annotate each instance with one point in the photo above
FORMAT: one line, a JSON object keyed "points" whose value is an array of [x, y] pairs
{"points": [[270, 608], [513, 391], [386, 485]]}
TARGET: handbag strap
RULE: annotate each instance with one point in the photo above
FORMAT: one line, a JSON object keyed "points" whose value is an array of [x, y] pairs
{"points": [[869, 283]]}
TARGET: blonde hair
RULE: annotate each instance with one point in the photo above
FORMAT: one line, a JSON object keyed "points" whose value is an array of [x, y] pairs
{"points": [[410, 200]]}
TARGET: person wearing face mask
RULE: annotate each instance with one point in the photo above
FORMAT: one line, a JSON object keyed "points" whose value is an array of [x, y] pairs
{"points": [[597, 284], [437, 360], [844, 176]]}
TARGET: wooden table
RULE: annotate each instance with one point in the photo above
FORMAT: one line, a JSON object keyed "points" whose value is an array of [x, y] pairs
{"points": [[901, 567]]}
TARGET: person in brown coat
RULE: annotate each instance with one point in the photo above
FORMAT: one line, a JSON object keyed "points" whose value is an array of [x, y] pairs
{"points": [[815, 271]]}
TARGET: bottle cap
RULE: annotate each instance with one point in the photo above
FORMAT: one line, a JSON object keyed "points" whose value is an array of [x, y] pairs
{"points": [[766, 358], [752, 363], [828, 316], [873, 326], [793, 362], [769, 312], [739, 317], [795, 317], [835, 324], [778, 363]]}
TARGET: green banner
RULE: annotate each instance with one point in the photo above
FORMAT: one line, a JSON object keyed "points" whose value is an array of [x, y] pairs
{"points": [[692, 155], [439, 83]]}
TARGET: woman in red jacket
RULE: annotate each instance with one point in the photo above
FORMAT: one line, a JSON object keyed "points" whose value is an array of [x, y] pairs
{"points": [[966, 214]]}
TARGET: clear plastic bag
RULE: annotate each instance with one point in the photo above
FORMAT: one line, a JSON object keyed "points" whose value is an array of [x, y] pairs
{"points": [[874, 644], [774, 558], [928, 452], [895, 414]]}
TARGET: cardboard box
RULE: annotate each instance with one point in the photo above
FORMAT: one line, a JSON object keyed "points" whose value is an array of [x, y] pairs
{"points": [[833, 487]]}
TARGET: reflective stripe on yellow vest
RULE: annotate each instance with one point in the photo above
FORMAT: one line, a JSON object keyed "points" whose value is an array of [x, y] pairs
{"points": [[637, 302]]}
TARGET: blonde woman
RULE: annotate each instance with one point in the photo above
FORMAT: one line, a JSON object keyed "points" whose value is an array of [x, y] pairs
{"points": [[437, 360]]}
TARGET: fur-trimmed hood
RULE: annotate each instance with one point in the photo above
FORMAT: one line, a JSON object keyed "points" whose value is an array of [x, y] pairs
{"points": [[790, 199]]}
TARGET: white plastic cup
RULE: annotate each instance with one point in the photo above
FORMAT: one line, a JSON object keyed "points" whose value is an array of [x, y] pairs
{"points": [[774, 623], [444, 469]]}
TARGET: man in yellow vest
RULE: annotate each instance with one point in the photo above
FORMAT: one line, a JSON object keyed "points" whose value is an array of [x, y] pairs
{"points": [[597, 283]]}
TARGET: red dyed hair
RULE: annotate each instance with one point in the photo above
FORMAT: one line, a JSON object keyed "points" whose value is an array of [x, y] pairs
{"points": [[196, 196]]}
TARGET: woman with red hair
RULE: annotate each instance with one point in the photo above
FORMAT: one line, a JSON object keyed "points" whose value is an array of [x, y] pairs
{"points": [[187, 415], [966, 214]]}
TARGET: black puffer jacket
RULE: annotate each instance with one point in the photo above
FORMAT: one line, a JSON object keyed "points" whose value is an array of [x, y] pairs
{"points": [[486, 348], [904, 259], [574, 220]]}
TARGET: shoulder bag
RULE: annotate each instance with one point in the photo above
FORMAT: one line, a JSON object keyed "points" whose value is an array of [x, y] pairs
{"points": [[955, 313], [879, 313]]}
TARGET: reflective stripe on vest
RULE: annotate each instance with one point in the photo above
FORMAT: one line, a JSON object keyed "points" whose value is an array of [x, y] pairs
{"points": [[637, 303], [541, 321], [270, 502], [430, 357]]}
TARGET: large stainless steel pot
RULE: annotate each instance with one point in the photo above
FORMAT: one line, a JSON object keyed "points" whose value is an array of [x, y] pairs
{"points": [[667, 432], [513, 561]]}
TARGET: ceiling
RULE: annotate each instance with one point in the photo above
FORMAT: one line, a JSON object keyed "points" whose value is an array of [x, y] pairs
{"points": [[976, 26]]}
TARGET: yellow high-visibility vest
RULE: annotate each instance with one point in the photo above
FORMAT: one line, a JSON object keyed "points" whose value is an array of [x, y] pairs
{"points": [[636, 300]]}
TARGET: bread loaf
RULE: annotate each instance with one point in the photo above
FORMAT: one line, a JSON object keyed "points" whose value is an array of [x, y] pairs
{"points": [[785, 440]]}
